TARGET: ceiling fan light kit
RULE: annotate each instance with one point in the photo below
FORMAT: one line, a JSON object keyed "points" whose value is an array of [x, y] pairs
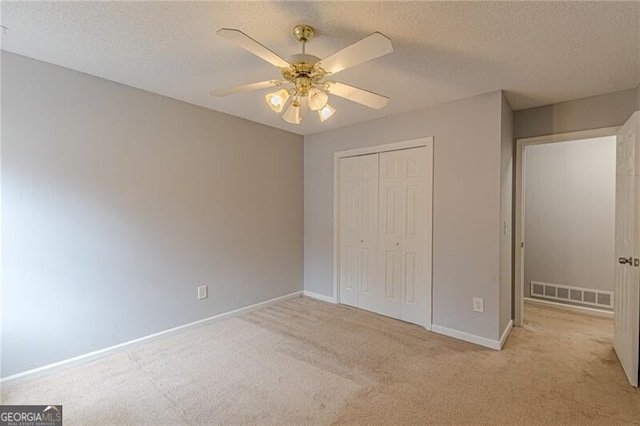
{"points": [[326, 112], [276, 100], [292, 114], [305, 74], [317, 99]]}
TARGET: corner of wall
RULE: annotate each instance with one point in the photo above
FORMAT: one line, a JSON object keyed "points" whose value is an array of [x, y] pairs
{"points": [[505, 99], [506, 213]]}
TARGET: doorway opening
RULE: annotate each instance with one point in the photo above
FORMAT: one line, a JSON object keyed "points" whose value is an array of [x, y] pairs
{"points": [[565, 221]]}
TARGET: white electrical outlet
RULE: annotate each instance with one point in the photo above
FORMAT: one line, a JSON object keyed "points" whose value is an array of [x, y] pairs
{"points": [[478, 304], [203, 292]]}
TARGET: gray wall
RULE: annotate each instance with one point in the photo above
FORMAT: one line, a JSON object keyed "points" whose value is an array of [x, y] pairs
{"points": [[612, 109], [467, 197], [118, 203], [506, 212], [570, 213]]}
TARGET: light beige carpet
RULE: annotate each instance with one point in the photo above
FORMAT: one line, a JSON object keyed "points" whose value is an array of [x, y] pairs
{"points": [[308, 362]]}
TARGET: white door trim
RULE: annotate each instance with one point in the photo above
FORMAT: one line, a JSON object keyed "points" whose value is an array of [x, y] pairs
{"points": [[521, 144], [394, 146]]}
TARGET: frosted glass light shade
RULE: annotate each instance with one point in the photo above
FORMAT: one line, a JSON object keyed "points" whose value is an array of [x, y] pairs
{"points": [[317, 99], [276, 100], [292, 114], [326, 112]]}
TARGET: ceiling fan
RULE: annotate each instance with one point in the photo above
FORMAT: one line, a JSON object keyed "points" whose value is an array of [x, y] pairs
{"points": [[305, 78]]}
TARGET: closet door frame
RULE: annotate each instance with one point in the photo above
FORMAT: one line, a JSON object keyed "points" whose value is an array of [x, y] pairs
{"points": [[375, 149]]}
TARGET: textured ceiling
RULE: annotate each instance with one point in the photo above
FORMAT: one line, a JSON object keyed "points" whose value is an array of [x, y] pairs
{"points": [[539, 52]]}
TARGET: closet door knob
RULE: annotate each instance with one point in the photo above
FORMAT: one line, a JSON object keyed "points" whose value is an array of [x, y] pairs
{"points": [[397, 244]]}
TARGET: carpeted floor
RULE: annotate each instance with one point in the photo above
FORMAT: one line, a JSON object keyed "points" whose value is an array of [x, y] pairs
{"points": [[308, 362]]}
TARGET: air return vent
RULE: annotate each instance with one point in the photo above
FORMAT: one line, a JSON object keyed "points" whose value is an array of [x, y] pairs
{"points": [[586, 296]]}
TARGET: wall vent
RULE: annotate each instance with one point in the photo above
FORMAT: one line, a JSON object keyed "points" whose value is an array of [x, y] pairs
{"points": [[585, 296]]}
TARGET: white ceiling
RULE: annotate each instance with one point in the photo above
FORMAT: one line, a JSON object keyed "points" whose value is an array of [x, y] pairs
{"points": [[539, 52]]}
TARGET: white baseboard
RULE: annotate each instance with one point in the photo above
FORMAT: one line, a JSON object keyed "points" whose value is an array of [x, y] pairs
{"points": [[322, 297], [574, 308], [467, 337], [505, 334], [82, 359]]}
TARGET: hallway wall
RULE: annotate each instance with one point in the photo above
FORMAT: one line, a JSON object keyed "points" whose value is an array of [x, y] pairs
{"points": [[570, 213]]}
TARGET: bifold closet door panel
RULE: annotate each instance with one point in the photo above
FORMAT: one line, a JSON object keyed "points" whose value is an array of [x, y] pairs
{"points": [[349, 263], [390, 208], [416, 245], [368, 232], [358, 229], [405, 234]]}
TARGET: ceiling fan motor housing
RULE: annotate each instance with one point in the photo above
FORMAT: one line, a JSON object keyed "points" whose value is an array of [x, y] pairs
{"points": [[304, 72]]}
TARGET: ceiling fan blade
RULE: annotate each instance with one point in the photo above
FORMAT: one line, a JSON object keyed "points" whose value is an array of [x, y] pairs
{"points": [[249, 44], [370, 47], [246, 88], [361, 96]]}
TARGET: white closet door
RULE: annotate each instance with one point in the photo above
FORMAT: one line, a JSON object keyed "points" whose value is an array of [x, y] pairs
{"points": [[368, 231], [358, 229], [405, 234], [391, 184], [416, 246]]}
